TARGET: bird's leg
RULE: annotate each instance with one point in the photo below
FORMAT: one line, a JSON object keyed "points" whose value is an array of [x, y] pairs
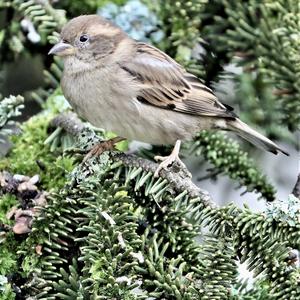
{"points": [[168, 160], [103, 146]]}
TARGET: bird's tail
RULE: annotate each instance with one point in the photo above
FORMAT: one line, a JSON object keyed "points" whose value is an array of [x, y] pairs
{"points": [[253, 136]]}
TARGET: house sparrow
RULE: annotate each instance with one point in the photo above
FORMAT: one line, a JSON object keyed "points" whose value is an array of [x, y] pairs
{"points": [[138, 91]]}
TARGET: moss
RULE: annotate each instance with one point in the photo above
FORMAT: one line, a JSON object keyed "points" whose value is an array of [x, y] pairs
{"points": [[8, 256], [7, 201], [6, 292], [29, 263], [30, 156]]}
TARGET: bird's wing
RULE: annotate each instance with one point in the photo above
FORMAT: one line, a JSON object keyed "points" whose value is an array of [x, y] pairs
{"points": [[166, 84]]}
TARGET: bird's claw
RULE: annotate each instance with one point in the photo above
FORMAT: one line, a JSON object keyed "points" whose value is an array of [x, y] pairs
{"points": [[179, 167], [166, 161], [103, 146]]}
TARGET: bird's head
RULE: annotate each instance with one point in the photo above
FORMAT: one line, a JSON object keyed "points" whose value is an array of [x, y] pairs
{"points": [[87, 39]]}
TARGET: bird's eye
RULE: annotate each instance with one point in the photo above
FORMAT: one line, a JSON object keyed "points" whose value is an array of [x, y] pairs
{"points": [[83, 38]]}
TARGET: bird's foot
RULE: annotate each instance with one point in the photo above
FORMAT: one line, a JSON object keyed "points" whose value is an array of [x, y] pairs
{"points": [[166, 161], [103, 146]]}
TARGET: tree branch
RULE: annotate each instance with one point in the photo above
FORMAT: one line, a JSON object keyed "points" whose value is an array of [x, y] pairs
{"points": [[177, 177], [69, 122]]}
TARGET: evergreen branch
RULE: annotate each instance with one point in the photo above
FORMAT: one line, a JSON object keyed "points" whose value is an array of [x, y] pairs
{"points": [[72, 124], [53, 75], [182, 39], [116, 197], [69, 122], [97, 204], [42, 14], [263, 243], [227, 157], [219, 256], [114, 231], [231, 28], [9, 108], [176, 178]]}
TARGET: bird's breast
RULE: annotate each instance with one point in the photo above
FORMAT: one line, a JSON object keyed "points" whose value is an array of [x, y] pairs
{"points": [[107, 99], [104, 98]]}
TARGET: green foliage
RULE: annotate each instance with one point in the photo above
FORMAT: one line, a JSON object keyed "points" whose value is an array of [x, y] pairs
{"points": [[100, 211], [7, 201], [232, 28], [181, 38], [110, 229], [107, 199], [227, 157], [6, 292], [111, 267], [79, 7], [42, 14], [148, 232], [215, 257], [265, 110], [31, 156], [259, 291], [261, 242], [8, 256], [9, 107]]}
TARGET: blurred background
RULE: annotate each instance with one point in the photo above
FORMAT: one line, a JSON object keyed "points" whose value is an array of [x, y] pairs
{"points": [[237, 52]]}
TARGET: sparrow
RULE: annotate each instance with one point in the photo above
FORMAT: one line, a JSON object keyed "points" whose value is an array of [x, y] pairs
{"points": [[139, 92]]}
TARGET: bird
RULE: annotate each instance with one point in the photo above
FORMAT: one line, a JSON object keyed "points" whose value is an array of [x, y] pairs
{"points": [[139, 92]]}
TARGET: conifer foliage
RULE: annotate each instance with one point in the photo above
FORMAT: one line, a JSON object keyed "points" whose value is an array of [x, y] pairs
{"points": [[106, 228]]}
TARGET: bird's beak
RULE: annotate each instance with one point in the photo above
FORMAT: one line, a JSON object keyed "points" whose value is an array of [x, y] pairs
{"points": [[62, 49]]}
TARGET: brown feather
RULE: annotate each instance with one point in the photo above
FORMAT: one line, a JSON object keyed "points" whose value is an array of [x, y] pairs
{"points": [[92, 24], [166, 84]]}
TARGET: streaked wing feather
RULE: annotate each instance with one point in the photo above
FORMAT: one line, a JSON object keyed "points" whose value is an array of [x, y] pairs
{"points": [[166, 84]]}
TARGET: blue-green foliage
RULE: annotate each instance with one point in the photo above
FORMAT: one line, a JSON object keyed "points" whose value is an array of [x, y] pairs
{"points": [[135, 18]]}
